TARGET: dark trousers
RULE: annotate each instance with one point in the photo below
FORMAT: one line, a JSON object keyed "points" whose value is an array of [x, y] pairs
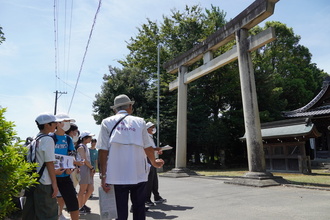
{"points": [[138, 197], [152, 185], [40, 204]]}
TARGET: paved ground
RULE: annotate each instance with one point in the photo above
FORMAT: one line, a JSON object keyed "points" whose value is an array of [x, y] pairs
{"points": [[210, 198]]}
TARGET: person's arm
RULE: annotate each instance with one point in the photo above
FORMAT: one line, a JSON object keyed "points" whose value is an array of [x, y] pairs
{"points": [[96, 164], [158, 163], [159, 150], [103, 157], [82, 153], [51, 171]]}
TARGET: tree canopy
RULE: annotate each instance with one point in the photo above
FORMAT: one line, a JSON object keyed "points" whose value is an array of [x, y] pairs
{"points": [[215, 118], [2, 36]]}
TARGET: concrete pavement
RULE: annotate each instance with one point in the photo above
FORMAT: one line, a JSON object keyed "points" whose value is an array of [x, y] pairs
{"points": [[208, 198]]}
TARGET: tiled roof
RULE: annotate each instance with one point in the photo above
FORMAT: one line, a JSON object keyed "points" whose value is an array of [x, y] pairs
{"points": [[314, 107], [288, 128], [322, 110]]}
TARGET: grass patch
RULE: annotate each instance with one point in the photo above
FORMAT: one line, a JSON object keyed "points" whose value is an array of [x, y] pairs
{"points": [[318, 177]]}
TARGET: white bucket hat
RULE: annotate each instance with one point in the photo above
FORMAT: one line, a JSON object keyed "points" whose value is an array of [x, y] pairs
{"points": [[122, 100]]}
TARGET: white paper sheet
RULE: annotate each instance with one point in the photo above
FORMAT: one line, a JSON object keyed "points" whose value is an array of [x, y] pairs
{"points": [[63, 161], [107, 201], [167, 147]]}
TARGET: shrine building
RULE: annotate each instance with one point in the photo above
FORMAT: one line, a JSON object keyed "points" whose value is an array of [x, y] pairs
{"points": [[302, 139]]}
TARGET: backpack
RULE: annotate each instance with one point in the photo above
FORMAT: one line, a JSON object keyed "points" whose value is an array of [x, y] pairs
{"points": [[31, 144]]}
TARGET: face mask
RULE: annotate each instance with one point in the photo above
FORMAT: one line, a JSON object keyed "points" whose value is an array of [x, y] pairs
{"points": [[154, 130], [65, 125], [75, 138]]}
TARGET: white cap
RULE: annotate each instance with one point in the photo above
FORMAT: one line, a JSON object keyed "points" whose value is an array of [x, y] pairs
{"points": [[45, 118], [85, 134], [149, 124], [64, 117]]}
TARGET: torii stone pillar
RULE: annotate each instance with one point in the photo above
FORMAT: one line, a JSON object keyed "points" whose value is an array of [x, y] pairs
{"points": [[257, 175], [181, 124], [180, 169], [250, 104]]}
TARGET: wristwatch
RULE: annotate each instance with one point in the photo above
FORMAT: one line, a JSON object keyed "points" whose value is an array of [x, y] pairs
{"points": [[102, 176]]}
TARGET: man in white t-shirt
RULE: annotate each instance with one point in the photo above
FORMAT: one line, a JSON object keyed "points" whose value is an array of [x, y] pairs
{"points": [[152, 186], [42, 204], [123, 151]]}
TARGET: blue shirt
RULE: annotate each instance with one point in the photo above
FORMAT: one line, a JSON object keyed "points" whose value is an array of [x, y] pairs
{"points": [[94, 156], [62, 147]]}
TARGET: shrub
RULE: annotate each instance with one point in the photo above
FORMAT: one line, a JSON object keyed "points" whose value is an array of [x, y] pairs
{"points": [[14, 170]]}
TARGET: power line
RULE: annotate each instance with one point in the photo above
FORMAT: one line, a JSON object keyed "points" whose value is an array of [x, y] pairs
{"points": [[55, 40], [73, 88], [82, 63], [58, 54], [69, 46]]}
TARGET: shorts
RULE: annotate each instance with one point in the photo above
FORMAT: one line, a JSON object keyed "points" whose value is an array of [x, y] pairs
{"points": [[68, 193], [40, 204]]}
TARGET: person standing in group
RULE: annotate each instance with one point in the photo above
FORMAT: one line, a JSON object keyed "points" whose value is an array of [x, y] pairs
{"points": [[87, 171], [74, 133], [64, 146], [123, 145], [152, 186], [42, 203], [93, 152]]}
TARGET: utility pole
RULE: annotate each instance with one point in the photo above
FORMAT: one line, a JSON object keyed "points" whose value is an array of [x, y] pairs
{"points": [[57, 97]]}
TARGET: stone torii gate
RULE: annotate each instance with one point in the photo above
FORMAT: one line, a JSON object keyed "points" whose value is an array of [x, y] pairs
{"points": [[235, 29]]}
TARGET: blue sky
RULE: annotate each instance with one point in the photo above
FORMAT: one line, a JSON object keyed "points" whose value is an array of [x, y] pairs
{"points": [[27, 57]]}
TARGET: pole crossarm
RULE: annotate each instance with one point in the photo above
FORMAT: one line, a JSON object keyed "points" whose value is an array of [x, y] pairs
{"points": [[250, 17], [255, 42]]}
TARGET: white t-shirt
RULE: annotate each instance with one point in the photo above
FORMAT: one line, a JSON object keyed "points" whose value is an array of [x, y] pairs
{"points": [[153, 144], [45, 153], [127, 162]]}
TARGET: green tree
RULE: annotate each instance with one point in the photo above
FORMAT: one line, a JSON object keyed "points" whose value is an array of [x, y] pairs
{"points": [[2, 36], [215, 118], [285, 77], [129, 81], [13, 167]]}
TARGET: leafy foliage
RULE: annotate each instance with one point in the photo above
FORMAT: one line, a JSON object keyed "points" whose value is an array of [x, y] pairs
{"points": [[285, 77], [2, 38], [215, 115], [13, 167]]}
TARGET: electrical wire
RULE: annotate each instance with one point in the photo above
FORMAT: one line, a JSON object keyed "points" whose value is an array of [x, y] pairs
{"points": [[62, 57], [86, 49], [55, 41]]}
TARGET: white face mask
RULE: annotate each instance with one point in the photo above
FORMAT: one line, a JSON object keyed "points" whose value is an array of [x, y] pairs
{"points": [[154, 130], [65, 125], [75, 138]]}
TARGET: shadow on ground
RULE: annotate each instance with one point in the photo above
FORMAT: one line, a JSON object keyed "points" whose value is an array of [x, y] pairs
{"points": [[159, 211], [91, 216]]}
